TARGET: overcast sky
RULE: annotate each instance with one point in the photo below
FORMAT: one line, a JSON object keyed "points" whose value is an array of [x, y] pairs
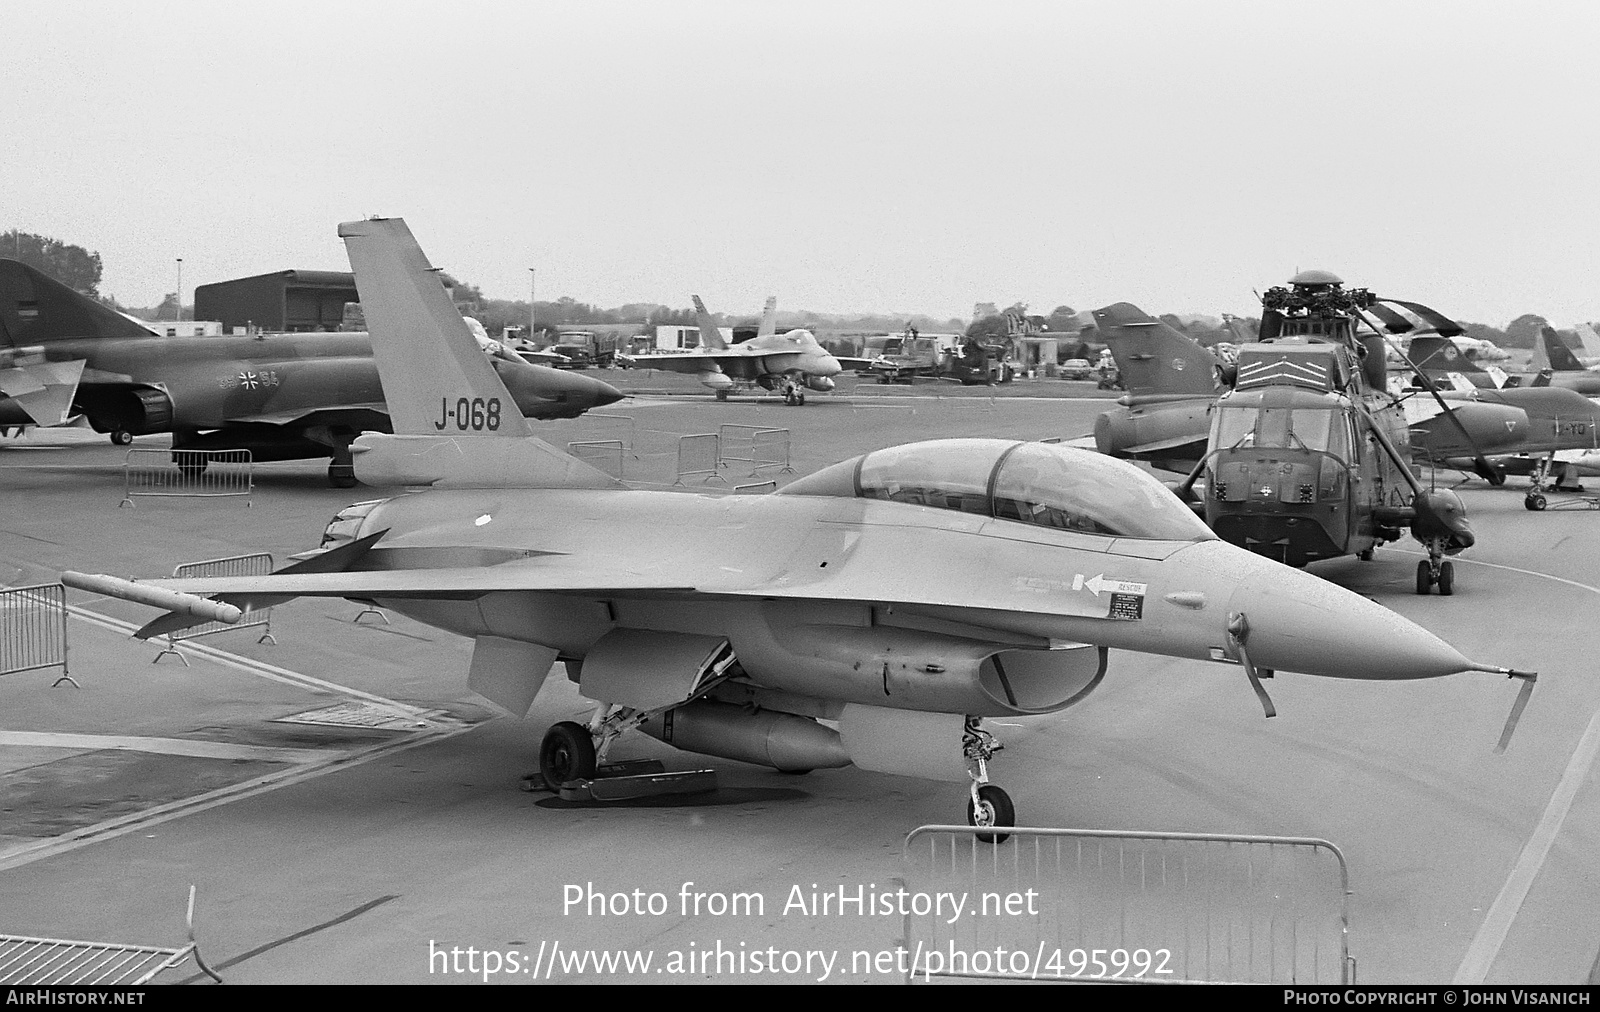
{"points": [[844, 156]]}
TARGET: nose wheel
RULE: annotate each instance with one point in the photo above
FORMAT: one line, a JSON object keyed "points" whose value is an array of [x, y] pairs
{"points": [[1436, 574], [988, 807]]}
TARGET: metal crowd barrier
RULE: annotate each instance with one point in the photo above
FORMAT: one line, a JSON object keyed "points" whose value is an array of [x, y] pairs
{"points": [[33, 630], [187, 473], [628, 439], [699, 455], [756, 488], [258, 564], [61, 962], [756, 445], [605, 454], [1129, 907]]}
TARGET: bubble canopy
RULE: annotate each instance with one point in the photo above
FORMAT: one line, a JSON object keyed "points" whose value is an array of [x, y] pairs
{"points": [[1041, 484]]}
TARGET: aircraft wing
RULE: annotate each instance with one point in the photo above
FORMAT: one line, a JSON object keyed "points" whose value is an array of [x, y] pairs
{"points": [[1161, 445], [848, 363]]}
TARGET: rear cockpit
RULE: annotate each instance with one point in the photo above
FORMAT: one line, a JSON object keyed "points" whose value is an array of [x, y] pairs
{"points": [[1041, 484]]}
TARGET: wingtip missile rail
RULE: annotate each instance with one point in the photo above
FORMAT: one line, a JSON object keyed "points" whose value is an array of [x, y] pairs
{"points": [[155, 597]]}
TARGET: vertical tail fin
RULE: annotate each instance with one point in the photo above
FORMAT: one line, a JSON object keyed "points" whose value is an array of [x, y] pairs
{"points": [[1437, 355], [1591, 341], [710, 335], [769, 318], [438, 383], [436, 379], [1153, 358], [1558, 357], [37, 309]]}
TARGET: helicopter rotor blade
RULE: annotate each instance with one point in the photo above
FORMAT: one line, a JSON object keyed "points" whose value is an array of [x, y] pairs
{"points": [[1480, 464]]}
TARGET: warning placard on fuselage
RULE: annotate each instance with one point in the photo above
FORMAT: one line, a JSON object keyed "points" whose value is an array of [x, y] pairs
{"points": [[1126, 606]]}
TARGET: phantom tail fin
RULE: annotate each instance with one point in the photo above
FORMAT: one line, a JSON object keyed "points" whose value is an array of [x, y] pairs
{"points": [[1154, 359], [710, 334], [1591, 341], [36, 309], [769, 318], [453, 419]]}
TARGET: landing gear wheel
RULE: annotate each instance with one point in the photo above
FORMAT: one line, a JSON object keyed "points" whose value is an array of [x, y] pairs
{"points": [[341, 476], [1534, 501], [722, 395], [1365, 555], [992, 808], [1447, 578], [1424, 577], [799, 398], [566, 754], [121, 437]]}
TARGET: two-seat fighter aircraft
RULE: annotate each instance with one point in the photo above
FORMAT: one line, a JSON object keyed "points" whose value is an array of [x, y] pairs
{"points": [[280, 396], [872, 613], [791, 363]]}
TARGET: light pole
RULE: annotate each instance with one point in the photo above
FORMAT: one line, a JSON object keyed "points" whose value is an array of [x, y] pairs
{"points": [[178, 309], [533, 293]]}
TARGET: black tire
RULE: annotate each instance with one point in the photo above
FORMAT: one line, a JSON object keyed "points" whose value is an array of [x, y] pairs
{"points": [[566, 754], [1365, 555], [121, 437], [998, 812], [1424, 577], [1534, 501], [1447, 578]]}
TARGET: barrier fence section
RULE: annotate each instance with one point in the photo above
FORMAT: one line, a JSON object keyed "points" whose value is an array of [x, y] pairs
{"points": [[62, 962], [698, 456], [756, 445], [257, 564], [1129, 907], [33, 630], [623, 425], [188, 474], [605, 454]]}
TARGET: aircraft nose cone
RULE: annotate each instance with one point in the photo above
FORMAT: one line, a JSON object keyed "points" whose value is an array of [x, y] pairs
{"points": [[830, 366], [607, 394], [1299, 622]]}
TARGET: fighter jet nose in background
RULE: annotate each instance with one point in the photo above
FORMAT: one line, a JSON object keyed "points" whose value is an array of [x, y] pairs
{"points": [[542, 392], [830, 366], [1299, 622]]}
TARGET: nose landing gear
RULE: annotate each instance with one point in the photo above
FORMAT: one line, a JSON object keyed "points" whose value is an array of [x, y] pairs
{"points": [[988, 806]]}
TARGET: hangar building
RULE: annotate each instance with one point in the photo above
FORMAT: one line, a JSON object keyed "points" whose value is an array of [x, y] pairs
{"points": [[283, 301]]}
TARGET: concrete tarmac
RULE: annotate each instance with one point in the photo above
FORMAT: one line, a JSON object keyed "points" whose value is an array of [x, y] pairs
{"points": [[328, 853]]}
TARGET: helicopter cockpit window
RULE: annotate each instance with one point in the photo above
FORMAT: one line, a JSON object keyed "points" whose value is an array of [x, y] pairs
{"points": [[949, 474], [1077, 490], [1320, 429]]}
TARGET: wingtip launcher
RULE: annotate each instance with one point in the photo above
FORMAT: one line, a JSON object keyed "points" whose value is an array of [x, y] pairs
{"points": [[155, 597]]}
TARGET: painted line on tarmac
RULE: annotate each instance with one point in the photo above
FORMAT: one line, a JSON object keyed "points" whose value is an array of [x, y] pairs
{"points": [[166, 746], [252, 666], [1491, 934], [1496, 925], [286, 939], [15, 857]]}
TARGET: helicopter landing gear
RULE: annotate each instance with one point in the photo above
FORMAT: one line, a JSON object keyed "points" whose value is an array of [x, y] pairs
{"points": [[988, 806], [1436, 570]]}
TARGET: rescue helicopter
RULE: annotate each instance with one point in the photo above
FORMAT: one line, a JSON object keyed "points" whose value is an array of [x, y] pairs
{"points": [[1307, 455]]}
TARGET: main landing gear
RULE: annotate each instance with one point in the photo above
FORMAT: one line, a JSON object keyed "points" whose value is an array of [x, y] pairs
{"points": [[121, 437], [989, 806]]}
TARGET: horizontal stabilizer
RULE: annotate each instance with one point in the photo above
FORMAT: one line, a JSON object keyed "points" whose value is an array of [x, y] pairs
{"points": [[44, 390], [445, 461]]}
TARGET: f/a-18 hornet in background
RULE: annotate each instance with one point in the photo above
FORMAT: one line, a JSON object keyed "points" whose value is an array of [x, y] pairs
{"points": [[874, 613]]}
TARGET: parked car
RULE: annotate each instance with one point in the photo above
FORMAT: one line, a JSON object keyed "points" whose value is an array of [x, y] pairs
{"points": [[1076, 369]]}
